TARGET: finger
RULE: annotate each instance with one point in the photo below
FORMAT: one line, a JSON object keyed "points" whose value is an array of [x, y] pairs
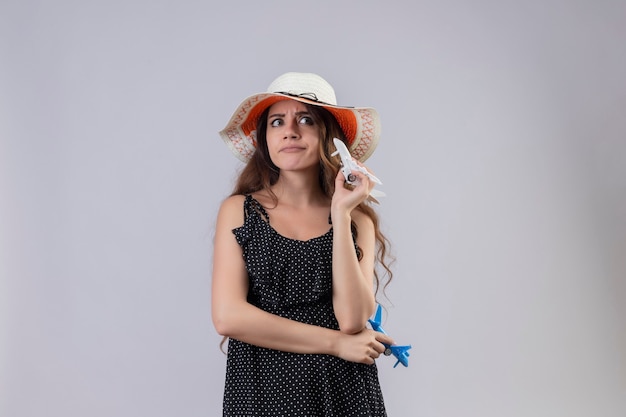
{"points": [[362, 181], [379, 348], [368, 358], [383, 338], [339, 178], [354, 179], [341, 182]]}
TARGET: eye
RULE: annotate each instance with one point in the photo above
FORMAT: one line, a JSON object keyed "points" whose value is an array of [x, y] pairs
{"points": [[276, 122], [306, 120]]}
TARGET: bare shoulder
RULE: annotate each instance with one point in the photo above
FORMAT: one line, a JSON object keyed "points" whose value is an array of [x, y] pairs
{"points": [[232, 201], [231, 211], [264, 199]]}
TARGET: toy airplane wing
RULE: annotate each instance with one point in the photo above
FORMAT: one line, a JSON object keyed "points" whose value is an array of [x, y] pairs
{"points": [[348, 164], [401, 353], [377, 320]]}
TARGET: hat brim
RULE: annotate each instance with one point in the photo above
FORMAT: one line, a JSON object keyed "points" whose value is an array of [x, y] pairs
{"points": [[361, 125]]}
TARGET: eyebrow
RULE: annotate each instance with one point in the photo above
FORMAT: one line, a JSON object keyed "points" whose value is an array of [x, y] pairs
{"points": [[298, 113]]}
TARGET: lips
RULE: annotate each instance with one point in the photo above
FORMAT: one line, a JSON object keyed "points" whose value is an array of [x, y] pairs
{"points": [[290, 149]]}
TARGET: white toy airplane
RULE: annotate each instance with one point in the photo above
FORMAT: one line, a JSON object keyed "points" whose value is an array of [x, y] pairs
{"points": [[348, 164]]}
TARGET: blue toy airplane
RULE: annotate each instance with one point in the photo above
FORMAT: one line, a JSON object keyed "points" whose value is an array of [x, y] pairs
{"points": [[400, 352]]}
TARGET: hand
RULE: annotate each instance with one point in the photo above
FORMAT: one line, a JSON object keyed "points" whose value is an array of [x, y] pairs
{"points": [[346, 196], [363, 347]]}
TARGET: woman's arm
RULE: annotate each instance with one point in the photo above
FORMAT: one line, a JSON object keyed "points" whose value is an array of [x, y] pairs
{"points": [[234, 317], [353, 292]]}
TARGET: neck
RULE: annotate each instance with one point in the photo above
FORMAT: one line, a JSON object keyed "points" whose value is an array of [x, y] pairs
{"points": [[299, 189]]}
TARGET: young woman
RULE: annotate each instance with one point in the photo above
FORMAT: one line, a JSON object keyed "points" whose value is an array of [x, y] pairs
{"points": [[295, 258]]}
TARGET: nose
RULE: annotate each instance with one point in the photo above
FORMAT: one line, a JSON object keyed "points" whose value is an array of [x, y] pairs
{"points": [[292, 129]]}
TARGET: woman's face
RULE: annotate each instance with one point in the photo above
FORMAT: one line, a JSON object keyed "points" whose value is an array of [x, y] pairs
{"points": [[292, 136]]}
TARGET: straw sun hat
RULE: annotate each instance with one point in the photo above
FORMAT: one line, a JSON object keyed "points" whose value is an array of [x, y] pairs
{"points": [[361, 125]]}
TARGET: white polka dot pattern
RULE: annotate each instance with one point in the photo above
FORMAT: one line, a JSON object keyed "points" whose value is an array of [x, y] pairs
{"points": [[292, 279]]}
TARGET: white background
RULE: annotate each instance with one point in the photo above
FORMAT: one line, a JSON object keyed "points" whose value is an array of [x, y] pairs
{"points": [[503, 154]]}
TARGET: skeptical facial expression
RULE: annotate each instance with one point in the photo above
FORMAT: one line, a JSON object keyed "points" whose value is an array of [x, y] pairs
{"points": [[292, 136]]}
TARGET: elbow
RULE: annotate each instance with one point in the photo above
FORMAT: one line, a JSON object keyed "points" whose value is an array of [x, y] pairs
{"points": [[351, 326], [353, 322], [351, 329], [223, 322], [221, 326]]}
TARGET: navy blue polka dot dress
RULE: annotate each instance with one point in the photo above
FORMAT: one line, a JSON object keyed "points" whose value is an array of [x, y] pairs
{"points": [[292, 278]]}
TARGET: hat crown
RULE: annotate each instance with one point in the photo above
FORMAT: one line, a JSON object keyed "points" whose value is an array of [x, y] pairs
{"points": [[304, 84]]}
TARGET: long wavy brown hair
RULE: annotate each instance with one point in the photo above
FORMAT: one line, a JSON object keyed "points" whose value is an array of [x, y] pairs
{"points": [[260, 174]]}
